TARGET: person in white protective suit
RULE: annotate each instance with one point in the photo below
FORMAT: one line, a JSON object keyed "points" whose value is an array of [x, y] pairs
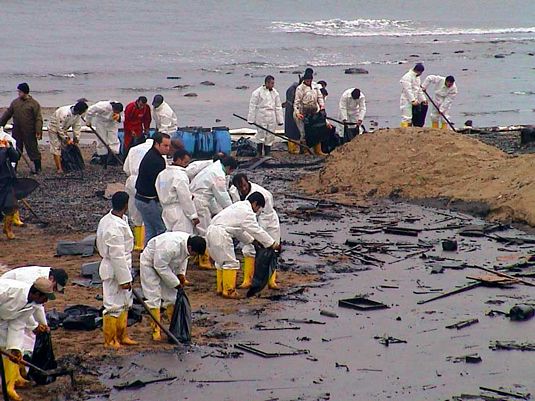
{"points": [[28, 275], [351, 109], [411, 93], [104, 117], [164, 117], [115, 243], [58, 129], [236, 221], [267, 219], [172, 185], [265, 109], [17, 301], [195, 167], [445, 90], [131, 168], [163, 266]]}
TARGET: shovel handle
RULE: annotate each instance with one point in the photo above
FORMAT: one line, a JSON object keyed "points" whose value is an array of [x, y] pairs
{"points": [[25, 363]]}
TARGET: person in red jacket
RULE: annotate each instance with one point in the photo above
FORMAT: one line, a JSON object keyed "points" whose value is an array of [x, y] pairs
{"points": [[137, 120]]}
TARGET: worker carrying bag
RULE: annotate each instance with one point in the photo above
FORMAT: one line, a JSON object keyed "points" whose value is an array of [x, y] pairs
{"points": [[181, 320]]}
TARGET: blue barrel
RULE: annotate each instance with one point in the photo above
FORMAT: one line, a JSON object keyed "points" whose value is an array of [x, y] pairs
{"points": [[204, 143], [187, 137], [223, 143]]}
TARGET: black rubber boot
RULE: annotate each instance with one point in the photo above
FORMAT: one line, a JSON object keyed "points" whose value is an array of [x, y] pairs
{"points": [[267, 150], [259, 148]]}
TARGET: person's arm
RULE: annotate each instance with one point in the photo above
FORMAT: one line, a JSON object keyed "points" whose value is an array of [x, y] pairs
{"points": [[38, 121], [77, 129], [129, 115], [250, 225], [278, 109], [117, 253], [446, 104], [181, 188], [406, 87], [321, 100], [162, 260], [431, 80], [146, 120], [7, 115], [164, 189], [234, 194], [342, 106], [253, 103], [298, 99], [15, 332], [39, 315], [362, 108], [219, 190], [13, 154]]}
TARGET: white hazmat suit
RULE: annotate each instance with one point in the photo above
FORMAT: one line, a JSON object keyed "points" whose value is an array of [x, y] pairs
{"points": [[164, 258], [410, 91], [100, 116], [115, 243], [351, 110], [172, 185], [308, 100], [165, 119], [209, 189], [265, 109], [196, 167], [236, 221], [58, 127], [443, 97]]}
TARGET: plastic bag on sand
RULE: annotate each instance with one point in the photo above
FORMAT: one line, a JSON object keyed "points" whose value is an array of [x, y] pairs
{"points": [[181, 320], [43, 357], [265, 264], [72, 159]]}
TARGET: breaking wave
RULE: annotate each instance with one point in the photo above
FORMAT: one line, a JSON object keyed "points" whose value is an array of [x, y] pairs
{"points": [[383, 27]]}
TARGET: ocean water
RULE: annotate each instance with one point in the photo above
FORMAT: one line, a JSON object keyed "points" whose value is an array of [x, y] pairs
{"points": [[123, 49]]}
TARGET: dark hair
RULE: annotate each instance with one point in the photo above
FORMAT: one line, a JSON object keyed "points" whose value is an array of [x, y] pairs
{"points": [[180, 154], [219, 156], [80, 107], [322, 83], [269, 78], [258, 198], [355, 94], [450, 78], [158, 137], [60, 276], [116, 107], [324, 92], [238, 178], [197, 243], [119, 200], [419, 67], [229, 161], [142, 99]]}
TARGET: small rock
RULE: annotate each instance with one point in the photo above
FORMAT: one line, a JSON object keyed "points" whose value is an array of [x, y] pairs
{"points": [[174, 77], [191, 94], [229, 73], [207, 83], [217, 120], [531, 54], [354, 70], [296, 72], [459, 51], [499, 56], [181, 86], [436, 53], [242, 87], [414, 55], [333, 190], [465, 69]]}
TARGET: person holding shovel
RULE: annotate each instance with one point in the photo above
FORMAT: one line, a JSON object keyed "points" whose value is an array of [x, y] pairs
{"points": [[445, 90], [104, 117], [63, 119]]}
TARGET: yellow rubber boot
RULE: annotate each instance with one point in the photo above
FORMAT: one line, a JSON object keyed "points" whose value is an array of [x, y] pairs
{"points": [[156, 332], [248, 271], [12, 374], [139, 238], [109, 327], [229, 284], [169, 311], [17, 222], [272, 283], [293, 148], [318, 151], [219, 281], [444, 125], [434, 124], [204, 261], [405, 124], [122, 327], [8, 226]]}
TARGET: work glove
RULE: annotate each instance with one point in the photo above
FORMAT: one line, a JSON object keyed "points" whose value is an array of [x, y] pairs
{"points": [[39, 135], [15, 356], [415, 103], [195, 221], [276, 246], [76, 141], [41, 328], [126, 286]]}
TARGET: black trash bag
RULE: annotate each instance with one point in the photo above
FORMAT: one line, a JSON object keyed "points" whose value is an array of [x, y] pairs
{"points": [[55, 318], [82, 317], [181, 321], [24, 187], [521, 312], [71, 158], [418, 115], [315, 128], [245, 148], [332, 141], [42, 357], [265, 264], [135, 315]]}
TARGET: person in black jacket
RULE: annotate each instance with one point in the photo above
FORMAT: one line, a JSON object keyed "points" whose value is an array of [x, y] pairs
{"points": [[8, 201]]}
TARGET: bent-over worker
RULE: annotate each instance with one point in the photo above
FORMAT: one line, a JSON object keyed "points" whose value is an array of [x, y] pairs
{"points": [[411, 93], [236, 221], [445, 90], [115, 243], [163, 266], [104, 117], [351, 109]]}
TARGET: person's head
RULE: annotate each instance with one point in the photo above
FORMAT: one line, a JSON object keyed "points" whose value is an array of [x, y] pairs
{"points": [[257, 201], [218, 156], [307, 78], [79, 108], [196, 245], [23, 90], [119, 202], [176, 144], [418, 69], [41, 291], [322, 83], [141, 102], [269, 82], [241, 182], [181, 158], [116, 107], [355, 93], [230, 164], [450, 80], [59, 278], [157, 101], [162, 142]]}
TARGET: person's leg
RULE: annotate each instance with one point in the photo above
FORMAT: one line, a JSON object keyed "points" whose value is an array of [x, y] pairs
{"points": [[406, 112], [30, 142], [248, 265], [55, 150], [151, 285], [112, 309]]}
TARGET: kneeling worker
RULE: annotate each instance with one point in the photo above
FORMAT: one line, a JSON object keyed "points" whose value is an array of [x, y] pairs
{"points": [[17, 299], [236, 221], [115, 243], [163, 266]]}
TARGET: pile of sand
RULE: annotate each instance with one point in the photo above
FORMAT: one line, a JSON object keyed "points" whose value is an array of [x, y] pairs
{"points": [[419, 163]]}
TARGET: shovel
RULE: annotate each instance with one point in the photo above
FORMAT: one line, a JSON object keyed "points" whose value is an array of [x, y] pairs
{"points": [[104, 143], [438, 109], [41, 223]]}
